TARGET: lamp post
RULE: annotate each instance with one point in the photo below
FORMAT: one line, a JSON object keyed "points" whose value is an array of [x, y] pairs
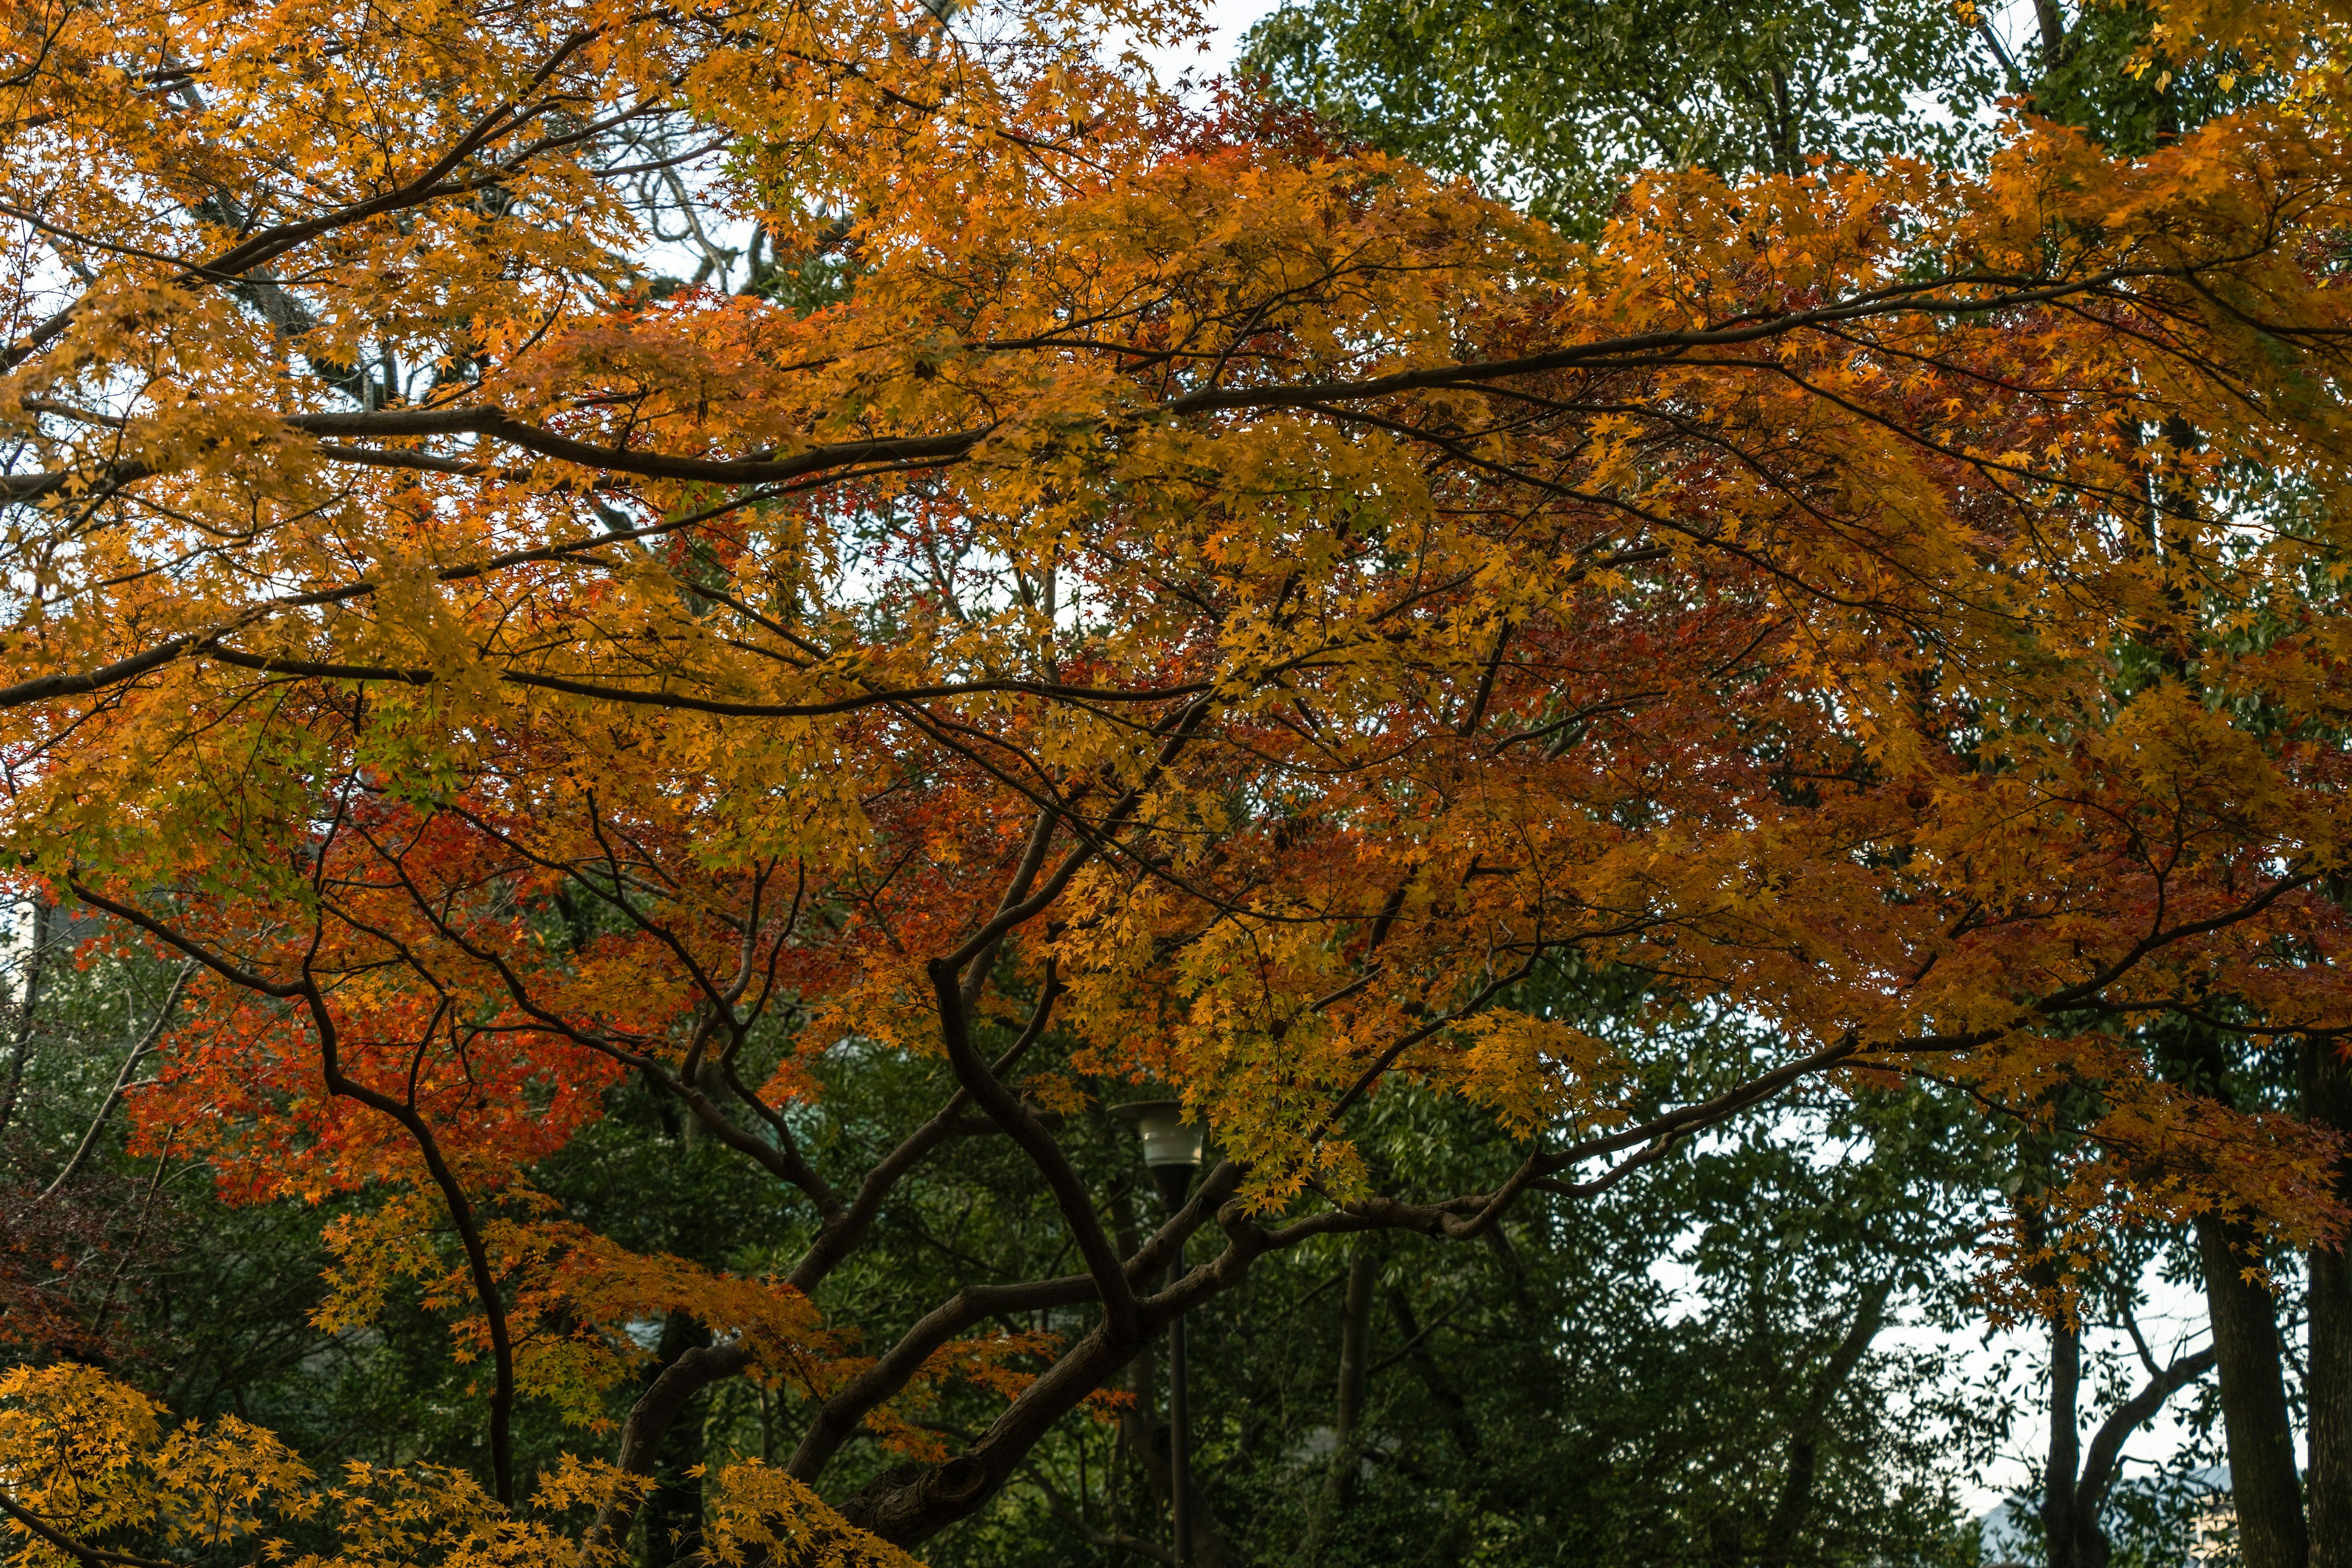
{"points": [[1173, 1151]]}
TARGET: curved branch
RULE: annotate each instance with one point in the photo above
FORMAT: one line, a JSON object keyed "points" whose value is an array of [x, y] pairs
{"points": [[838, 1417], [1002, 1107], [2100, 1459]]}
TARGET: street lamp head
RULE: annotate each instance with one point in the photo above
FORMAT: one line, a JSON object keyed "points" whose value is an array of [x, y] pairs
{"points": [[1171, 1148], [1167, 1138]]}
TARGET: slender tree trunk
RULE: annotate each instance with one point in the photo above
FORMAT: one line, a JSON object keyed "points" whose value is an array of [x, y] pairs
{"points": [[2075, 1480], [1142, 1434], [2060, 1524], [28, 996], [2327, 1394], [2262, 1481]]}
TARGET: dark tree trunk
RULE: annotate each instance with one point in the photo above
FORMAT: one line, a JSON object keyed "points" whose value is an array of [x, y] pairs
{"points": [[2265, 1490], [1355, 1364], [2327, 1395], [2262, 1481], [673, 1511], [2062, 1521]]}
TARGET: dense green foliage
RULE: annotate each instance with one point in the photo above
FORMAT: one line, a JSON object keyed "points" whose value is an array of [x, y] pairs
{"points": [[1560, 100]]}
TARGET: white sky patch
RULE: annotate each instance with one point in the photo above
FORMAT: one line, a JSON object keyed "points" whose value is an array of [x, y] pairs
{"points": [[1227, 21], [2172, 1320]]}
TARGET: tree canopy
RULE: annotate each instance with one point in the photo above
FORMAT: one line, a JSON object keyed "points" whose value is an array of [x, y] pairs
{"points": [[1131, 592]]}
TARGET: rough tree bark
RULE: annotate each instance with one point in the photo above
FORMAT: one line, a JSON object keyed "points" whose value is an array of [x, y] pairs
{"points": [[2265, 1491], [2262, 1482], [2062, 1523], [2327, 1394]]}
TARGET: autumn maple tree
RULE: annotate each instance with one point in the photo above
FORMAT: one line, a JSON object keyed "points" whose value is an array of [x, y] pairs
{"points": [[1166, 597]]}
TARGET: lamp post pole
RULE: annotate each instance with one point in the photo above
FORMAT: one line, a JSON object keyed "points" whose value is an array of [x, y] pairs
{"points": [[1175, 1186], [1173, 1151]]}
